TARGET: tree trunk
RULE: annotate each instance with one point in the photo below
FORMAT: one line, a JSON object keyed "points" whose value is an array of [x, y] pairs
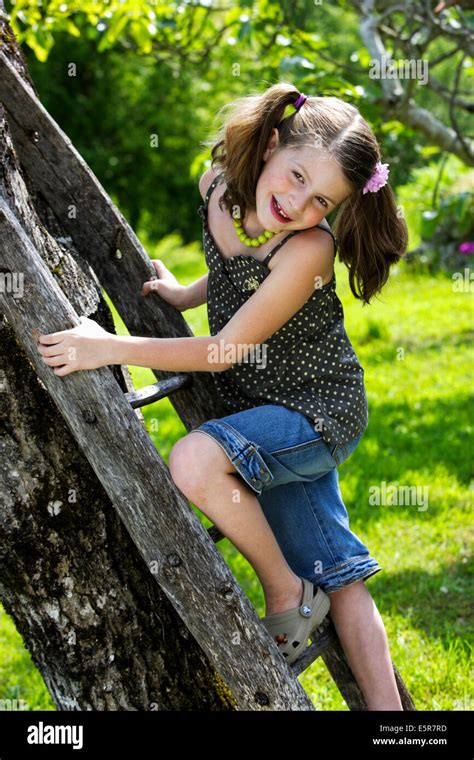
{"points": [[98, 627]]}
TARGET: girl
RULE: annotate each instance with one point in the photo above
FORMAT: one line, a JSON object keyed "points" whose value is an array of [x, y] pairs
{"points": [[266, 474]]}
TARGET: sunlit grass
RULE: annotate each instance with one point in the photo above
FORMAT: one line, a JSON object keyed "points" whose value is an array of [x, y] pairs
{"points": [[21, 685]]}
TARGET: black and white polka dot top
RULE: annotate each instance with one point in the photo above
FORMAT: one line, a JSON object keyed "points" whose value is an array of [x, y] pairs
{"points": [[308, 365]]}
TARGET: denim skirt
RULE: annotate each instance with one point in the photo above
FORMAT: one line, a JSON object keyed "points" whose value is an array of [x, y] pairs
{"points": [[293, 473]]}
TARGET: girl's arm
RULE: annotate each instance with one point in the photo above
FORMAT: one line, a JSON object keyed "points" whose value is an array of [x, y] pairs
{"points": [[195, 294], [300, 269]]}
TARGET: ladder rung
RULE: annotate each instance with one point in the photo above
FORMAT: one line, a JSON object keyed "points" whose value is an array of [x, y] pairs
{"points": [[321, 640], [151, 393], [215, 534]]}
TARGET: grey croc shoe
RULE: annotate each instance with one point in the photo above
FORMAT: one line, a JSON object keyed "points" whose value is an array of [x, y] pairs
{"points": [[291, 629]]}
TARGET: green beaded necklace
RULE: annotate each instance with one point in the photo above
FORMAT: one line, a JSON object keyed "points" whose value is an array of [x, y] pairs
{"points": [[251, 242]]}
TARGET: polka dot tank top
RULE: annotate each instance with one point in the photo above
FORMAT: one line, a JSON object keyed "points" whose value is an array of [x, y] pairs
{"points": [[308, 365]]}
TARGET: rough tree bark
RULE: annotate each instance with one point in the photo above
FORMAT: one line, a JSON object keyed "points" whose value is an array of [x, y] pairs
{"points": [[70, 575]]}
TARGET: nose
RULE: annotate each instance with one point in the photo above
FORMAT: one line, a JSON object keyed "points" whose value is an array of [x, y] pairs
{"points": [[295, 209], [297, 205]]}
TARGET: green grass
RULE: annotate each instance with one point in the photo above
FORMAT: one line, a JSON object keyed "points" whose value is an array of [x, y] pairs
{"points": [[20, 681], [414, 343]]}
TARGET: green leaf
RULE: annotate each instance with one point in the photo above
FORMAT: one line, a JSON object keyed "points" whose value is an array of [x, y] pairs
{"points": [[429, 223], [72, 29], [429, 150], [118, 24], [40, 42], [141, 34], [364, 57], [244, 31]]}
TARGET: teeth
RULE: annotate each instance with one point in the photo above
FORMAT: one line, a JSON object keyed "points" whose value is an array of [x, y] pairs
{"points": [[280, 210]]}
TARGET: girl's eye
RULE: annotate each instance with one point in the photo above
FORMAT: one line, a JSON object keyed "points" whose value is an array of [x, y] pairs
{"points": [[318, 198]]}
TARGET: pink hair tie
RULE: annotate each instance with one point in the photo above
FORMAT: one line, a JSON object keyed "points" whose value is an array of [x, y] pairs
{"points": [[378, 178], [298, 103]]}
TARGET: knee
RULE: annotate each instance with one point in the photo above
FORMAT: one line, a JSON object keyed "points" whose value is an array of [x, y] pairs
{"points": [[186, 467]]}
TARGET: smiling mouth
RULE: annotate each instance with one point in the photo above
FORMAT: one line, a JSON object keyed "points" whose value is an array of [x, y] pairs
{"points": [[279, 212]]}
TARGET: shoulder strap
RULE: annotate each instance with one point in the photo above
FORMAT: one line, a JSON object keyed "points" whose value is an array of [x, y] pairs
{"points": [[279, 245], [295, 232], [211, 188], [335, 240]]}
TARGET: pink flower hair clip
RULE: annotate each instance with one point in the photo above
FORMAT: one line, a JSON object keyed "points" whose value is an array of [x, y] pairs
{"points": [[378, 178]]}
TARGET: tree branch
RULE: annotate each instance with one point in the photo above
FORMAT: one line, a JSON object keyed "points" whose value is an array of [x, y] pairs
{"points": [[398, 101], [447, 95]]}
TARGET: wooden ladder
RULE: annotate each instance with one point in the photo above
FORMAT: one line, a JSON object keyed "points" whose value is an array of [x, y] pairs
{"points": [[179, 552]]}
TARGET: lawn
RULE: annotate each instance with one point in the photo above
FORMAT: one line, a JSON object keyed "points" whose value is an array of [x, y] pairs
{"points": [[415, 345]]}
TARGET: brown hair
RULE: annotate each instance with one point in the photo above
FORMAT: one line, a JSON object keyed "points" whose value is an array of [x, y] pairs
{"points": [[371, 233]]}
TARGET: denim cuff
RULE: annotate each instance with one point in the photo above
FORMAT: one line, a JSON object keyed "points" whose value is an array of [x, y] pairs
{"points": [[356, 569], [243, 454]]}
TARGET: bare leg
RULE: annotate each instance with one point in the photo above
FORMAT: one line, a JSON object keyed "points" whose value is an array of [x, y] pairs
{"points": [[242, 522], [247, 528], [209, 480], [363, 637]]}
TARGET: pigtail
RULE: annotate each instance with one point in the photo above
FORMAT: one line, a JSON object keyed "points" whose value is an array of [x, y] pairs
{"points": [[372, 236], [243, 139]]}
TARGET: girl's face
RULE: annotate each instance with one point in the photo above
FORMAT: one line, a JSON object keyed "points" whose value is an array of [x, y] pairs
{"points": [[298, 187]]}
